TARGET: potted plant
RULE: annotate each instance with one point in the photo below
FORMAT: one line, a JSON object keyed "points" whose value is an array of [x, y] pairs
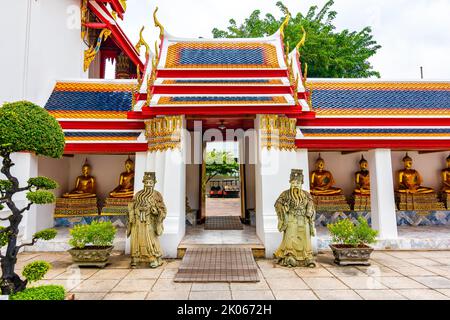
{"points": [[92, 243], [36, 271], [350, 241]]}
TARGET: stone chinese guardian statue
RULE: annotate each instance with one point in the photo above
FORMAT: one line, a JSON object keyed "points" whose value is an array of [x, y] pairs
{"points": [[296, 213], [146, 214]]}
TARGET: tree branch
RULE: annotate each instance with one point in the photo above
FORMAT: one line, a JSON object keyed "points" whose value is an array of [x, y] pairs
{"points": [[26, 245], [5, 219], [26, 208]]}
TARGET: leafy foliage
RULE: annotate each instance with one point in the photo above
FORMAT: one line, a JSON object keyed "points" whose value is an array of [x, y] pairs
{"points": [[36, 270], [5, 185], [3, 237], [220, 163], [43, 183], [346, 232], [41, 197], [329, 53], [25, 126], [47, 234], [50, 292], [100, 234]]}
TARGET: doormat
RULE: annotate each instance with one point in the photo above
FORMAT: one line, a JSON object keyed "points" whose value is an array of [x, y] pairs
{"points": [[223, 223], [218, 264]]}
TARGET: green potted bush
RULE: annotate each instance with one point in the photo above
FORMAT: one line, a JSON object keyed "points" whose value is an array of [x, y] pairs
{"points": [[92, 243], [350, 242], [33, 272]]}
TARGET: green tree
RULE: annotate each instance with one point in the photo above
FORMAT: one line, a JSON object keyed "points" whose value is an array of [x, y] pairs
{"points": [[24, 126], [329, 53], [220, 163]]}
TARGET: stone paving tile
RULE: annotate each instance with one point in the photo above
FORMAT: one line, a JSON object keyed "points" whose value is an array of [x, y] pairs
{"points": [[404, 254], [439, 270], [413, 271], [313, 272], [168, 295], [53, 273], [239, 286], [286, 284], [143, 274], [435, 254], [26, 256], [67, 284], [394, 262], [172, 264], [294, 295], [421, 262], [168, 273], [278, 273], [434, 282], [362, 283], [110, 274], [346, 272], [126, 296], [316, 283], [96, 286], [210, 295], [380, 295], [134, 285], [379, 271], [252, 295], [422, 294], [444, 291], [400, 283], [170, 285], [444, 261], [337, 295], [77, 273], [265, 264], [210, 286], [89, 295]]}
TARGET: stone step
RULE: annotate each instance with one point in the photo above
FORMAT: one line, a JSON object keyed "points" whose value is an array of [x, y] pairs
{"points": [[258, 250]]}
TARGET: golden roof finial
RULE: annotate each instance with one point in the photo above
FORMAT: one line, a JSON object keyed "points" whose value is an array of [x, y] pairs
{"points": [[284, 24], [141, 43], [158, 24], [301, 43]]}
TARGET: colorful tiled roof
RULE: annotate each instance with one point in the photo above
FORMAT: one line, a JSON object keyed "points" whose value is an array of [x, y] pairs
{"points": [[90, 100], [213, 100], [223, 82], [96, 135], [356, 98], [311, 132]]}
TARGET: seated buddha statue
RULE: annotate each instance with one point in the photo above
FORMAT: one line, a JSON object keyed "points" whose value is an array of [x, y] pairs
{"points": [[125, 189], [409, 179], [84, 186], [322, 181], [362, 178], [446, 177]]}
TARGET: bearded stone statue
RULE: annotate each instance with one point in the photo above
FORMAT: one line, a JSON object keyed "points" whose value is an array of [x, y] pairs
{"points": [[296, 214], [146, 214]]}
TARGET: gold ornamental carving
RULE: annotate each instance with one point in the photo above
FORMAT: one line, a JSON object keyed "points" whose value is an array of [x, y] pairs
{"points": [[163, 133], [278, 132]]}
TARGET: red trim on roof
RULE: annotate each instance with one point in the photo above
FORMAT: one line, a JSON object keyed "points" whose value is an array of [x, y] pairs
{"points": [[370, 122], [108, 125], [119, 36], [116, 5], [250, 73], [359, 144], [72, 148], [228, 110], [225, 89]]}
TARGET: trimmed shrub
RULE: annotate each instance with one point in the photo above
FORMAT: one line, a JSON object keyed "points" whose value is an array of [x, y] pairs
{"points": [[99, 234], [36, 270], [50, 292]]}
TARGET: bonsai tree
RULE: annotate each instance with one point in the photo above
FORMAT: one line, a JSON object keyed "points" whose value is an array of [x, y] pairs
{"points": [[345, 233], [24, 127]]}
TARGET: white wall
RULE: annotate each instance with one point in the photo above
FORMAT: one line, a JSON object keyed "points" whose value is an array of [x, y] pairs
{"points": [[193, 185], [41, 43]]}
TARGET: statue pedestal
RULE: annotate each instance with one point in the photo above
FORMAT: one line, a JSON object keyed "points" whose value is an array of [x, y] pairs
{"points": [[66, 207], [116, 206], [446, 199], [418, 202], [331, 203], [361, 202]]}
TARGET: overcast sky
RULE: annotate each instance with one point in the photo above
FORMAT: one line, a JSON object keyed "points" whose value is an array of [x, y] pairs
{"points": [[412, 33]]}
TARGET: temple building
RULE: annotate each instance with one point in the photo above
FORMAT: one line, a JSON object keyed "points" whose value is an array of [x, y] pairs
{"points": [[368, 147]]}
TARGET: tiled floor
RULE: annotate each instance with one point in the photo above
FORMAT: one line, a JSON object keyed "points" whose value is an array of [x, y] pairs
{"points": [[223, 207], [392, 275], [198, 235]]}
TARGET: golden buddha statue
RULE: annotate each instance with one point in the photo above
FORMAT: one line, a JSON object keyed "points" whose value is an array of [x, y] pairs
{"points": [[84, 186], [446, 177], [125, 189], [362, 178], [322, 181], [409, 180]]}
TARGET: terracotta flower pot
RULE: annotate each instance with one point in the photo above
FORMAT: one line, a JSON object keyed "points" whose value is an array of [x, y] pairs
{"points": [[91, 256], [349, 255]]}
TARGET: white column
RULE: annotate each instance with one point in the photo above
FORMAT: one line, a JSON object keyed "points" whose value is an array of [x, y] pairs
{"points": [[382, 193], [273, 169]]}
